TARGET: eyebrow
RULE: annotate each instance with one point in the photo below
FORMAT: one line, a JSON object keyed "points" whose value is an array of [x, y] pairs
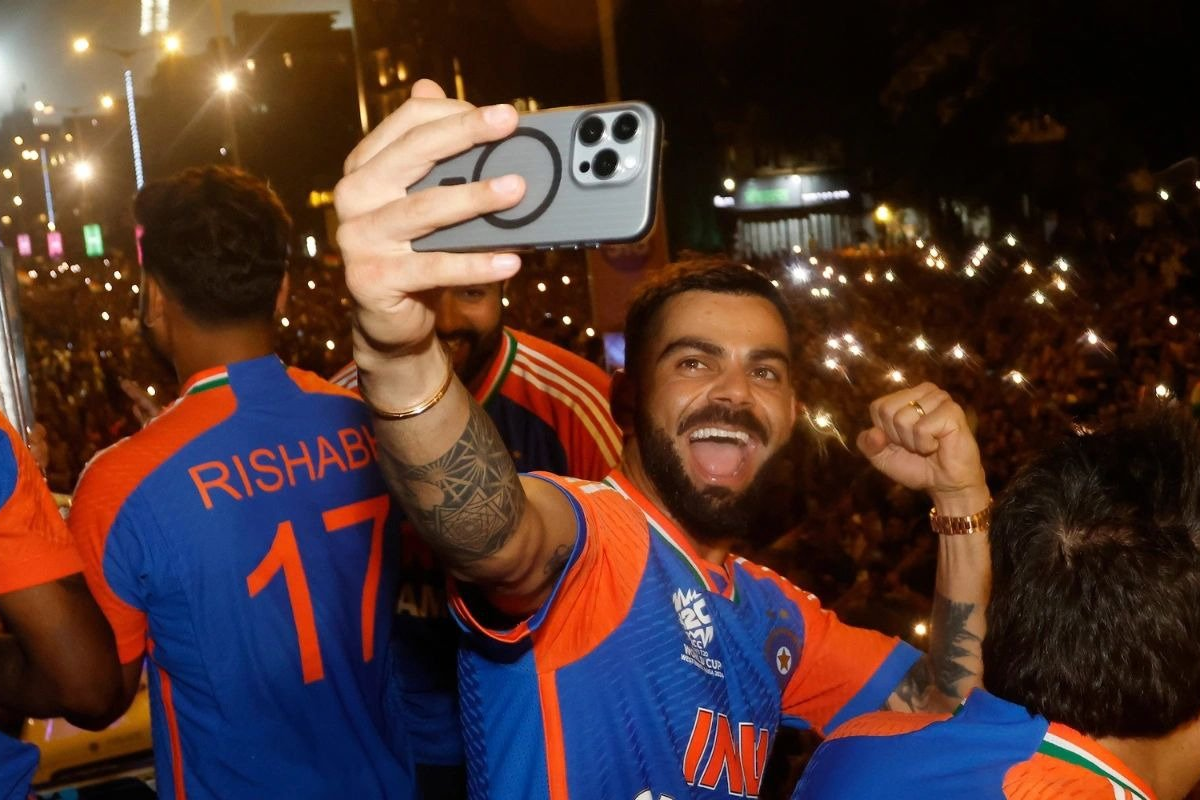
{"points": [[691, 343], [714, 349]]}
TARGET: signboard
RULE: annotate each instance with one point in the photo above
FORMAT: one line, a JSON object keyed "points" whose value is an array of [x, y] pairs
{"points": [[54, 247], [93, 240], [24, 245], [14, 376], [788, 191]]}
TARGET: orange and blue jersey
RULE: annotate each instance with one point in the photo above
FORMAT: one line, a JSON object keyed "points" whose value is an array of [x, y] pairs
{"points": [[651, 672], [989, 749], [35, 548], [245, 542], [551, 409]]}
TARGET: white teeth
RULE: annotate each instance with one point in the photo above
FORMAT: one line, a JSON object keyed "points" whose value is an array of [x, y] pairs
{"points": [[719, 433]]}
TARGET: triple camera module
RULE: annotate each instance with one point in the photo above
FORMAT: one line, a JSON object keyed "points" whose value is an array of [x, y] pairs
{"points": [[608, 146]]}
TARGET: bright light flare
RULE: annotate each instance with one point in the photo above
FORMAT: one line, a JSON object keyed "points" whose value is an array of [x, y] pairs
{"points": [[883, 214], [799, 274], [1039, 298], [1164, 194], [310, 246], [81, 44], [591, 332], [1060, 284], [920, 629], [329, 344], [869, 276], [1062, 265], [730, 184], [566, 320], [541, 287], [1027, 268], [107, 102], [285, 322], [227, 83], [1162, 392], [150, 390], [896, 376], [1010, 240], [921, 344], [84, 171], [889, 276], [957, 352], [172, 44], [1091, 337], [1171, 320], [1016, 378]]}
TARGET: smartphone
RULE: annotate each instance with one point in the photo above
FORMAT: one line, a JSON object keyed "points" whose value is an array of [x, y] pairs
{"points": [[591, 178]]}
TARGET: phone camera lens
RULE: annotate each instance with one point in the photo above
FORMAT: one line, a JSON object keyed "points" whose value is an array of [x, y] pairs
{"points": [[605, 164], [626, 127], [591, 130]]}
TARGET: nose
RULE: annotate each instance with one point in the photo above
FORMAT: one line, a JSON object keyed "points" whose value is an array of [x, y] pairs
{"points": [[733, 387], [448, 316]]}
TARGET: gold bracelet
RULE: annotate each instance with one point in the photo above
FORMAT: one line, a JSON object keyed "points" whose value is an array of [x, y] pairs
{"points": [[411, 411], [959, 526]]}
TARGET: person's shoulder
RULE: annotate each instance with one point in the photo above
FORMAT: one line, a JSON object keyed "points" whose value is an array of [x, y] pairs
{"points": [[547, 354], [337, 386], [885, 723], [122, 466]]}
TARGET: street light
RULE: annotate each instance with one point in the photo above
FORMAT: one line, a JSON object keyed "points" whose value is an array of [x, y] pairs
{"points": [[84, 171], [107, 102], [227, 82], [170, 44]]}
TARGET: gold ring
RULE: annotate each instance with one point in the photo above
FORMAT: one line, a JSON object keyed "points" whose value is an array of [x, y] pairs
{"points": [[917, 407]]}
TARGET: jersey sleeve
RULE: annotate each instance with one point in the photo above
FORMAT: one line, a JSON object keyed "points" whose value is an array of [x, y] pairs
{"points": [[843, 671], [589, 434], [576, 392], [595, 590], [113, 559], [35, 546]]}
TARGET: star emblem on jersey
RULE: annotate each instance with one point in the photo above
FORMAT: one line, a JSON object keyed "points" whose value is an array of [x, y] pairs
{"points": [[783, 660], [691, 607]]}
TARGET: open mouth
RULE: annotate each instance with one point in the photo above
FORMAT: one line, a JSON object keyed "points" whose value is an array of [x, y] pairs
{"points": [[720, 453]]}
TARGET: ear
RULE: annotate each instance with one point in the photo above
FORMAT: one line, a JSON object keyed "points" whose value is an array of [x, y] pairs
{"points": [[153, 302], [281, 298], [798, 409], [622, 399]]}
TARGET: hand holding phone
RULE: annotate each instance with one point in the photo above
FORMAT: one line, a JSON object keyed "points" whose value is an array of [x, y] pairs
{"points": [[591, 178]]}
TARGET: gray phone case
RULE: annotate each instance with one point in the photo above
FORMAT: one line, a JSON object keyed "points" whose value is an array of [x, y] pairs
{"points": [[566, 204]]}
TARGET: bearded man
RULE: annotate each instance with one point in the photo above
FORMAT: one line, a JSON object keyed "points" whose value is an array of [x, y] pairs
{"points": [[615, 647]]}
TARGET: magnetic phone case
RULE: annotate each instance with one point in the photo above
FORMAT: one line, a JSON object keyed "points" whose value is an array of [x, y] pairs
{"points": [[591, 178]]}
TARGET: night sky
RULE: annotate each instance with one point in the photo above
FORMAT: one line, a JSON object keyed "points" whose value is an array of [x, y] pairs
{"points": [[36, 36]]}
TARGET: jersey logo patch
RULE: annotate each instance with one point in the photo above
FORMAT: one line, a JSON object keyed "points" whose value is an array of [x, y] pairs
{"points": [[691, 608], [782, 652], [717, 754]]}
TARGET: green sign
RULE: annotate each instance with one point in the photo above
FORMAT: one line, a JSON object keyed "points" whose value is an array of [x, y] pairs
{"points": [[766, 196], [93, 241]]}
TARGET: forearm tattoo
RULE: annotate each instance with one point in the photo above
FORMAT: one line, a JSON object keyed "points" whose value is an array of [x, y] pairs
{"points": [[943, 668], [468, 501], [953, 644]]}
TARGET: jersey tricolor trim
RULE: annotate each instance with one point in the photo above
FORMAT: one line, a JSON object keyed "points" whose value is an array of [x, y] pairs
{"points": [[1059, 748], [208, 379], [615, 481], [499, 369]]}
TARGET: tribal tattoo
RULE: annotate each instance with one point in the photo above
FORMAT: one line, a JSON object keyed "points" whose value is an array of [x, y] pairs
{"points": [[468, 501], [943, 669]]}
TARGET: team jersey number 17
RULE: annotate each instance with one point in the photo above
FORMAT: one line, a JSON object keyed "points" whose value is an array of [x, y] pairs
{"points": [[284, 556]]}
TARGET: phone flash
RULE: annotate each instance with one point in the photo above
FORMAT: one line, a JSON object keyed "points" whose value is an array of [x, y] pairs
{"points": [[630, 162]]}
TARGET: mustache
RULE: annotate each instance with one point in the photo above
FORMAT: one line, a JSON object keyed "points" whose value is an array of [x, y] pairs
{"points": [[739, 418]]}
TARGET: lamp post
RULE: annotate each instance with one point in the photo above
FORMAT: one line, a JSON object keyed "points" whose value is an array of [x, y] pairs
{"points": [[171, 45]]}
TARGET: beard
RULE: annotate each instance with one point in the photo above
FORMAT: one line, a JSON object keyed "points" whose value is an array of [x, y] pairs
{"points": [[481, 348], [712, 514]]}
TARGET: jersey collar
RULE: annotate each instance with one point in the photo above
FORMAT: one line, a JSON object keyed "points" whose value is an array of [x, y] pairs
{"points": [[498, 370], [215, 377], [204, 380], [1066, 744], [718, 579]]}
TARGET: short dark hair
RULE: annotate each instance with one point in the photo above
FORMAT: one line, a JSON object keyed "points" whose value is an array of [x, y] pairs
{"points": [[216, 239], [716, 275], [1094, 619]]}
